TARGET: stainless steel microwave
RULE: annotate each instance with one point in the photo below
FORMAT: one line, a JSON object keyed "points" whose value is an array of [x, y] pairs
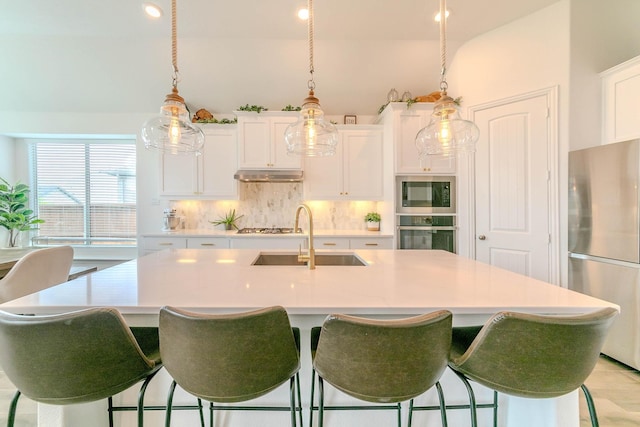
{"points": [[426, 194]]}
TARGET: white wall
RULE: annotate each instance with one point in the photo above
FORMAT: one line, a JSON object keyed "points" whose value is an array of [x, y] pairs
{"points": [[565, 45], [524, 56], [7, 170]]}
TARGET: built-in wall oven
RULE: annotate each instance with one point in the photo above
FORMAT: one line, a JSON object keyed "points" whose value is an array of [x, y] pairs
{"points": [[426, 212]]}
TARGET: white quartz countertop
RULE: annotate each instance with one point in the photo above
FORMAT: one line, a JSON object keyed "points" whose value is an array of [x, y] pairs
{"points": [[393, 283], [234, 233]]}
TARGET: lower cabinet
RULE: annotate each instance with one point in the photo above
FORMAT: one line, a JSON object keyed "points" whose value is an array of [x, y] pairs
{"points": [[208, 243], [269, 243], [154, 244], [353, 242]]}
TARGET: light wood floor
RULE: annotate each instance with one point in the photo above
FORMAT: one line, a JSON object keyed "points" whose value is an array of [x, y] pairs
{"points": [[615, 388], [616, 391]]}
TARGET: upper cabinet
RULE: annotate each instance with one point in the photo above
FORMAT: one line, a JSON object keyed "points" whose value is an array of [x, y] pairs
{"points": [[621, 90], [261, 140], [403, 124], [208, 176], [355, 172]]}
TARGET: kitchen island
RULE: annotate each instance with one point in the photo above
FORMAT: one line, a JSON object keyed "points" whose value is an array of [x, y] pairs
{"points": [[392, 284]]}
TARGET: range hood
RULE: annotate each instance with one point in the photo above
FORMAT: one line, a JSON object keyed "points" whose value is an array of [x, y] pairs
{"points": [[269, 175]]}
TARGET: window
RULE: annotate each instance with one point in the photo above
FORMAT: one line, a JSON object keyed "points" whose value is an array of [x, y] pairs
{"points": [[85, 191]]}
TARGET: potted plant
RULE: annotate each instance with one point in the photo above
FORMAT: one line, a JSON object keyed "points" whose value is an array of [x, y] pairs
{"points": [[373, 221], [229, 220], [15, 214]]}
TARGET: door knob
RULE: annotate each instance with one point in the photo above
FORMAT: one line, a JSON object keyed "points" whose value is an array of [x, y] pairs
{"points": [[482, 237]]}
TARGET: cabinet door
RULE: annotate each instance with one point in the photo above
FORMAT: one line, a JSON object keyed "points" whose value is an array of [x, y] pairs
{"points": [[218, 164], [178, 175], [362, 164], [280, 158], [160, 243], [331, 243], [621, 89], [269, 243], [254, 151], [409, 123], [371, 243], [207, 243], [323, 177]]}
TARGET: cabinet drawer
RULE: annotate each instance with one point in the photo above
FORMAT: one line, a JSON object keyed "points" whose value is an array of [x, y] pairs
{"points": [[268, 243], [372, 243], [331, 243], [207, 243], [160, 243]]}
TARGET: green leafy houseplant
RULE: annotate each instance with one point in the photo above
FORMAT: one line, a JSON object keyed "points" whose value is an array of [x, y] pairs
{"points": [[372, 217], [15, 214], [373, 221], [229, 220]]}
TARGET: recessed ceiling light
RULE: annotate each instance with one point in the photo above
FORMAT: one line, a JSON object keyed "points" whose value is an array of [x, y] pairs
{"points": [[437, 17], [303, 14], [152, 10]]}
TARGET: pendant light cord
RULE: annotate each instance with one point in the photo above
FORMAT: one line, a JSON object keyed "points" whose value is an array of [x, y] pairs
{"points": [[310, 84], [174, 44], [443, 46]]}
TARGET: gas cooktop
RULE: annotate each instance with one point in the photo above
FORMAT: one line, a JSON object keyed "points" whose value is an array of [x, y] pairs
{"points": [[272, 230]]}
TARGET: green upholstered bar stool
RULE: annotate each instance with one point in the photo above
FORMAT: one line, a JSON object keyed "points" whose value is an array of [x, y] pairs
{"points": [[77, 357], [231, 358], [380, 361], [531, 356]]}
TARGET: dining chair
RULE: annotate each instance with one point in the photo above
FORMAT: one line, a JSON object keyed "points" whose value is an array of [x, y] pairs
{"points": [[35, 271], [384, 362], [530, 356], [226, 359], [77, 357]]}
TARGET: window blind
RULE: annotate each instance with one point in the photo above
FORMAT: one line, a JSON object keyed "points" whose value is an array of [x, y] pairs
{"points": [[85, 191]]}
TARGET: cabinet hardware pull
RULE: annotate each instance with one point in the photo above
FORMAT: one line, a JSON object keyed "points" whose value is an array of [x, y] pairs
{"points": [[207, 244], [329, 244], [165, 244], [371, 244]]}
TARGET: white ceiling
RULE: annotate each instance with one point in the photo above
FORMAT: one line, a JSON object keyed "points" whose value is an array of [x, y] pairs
{"points": [[79, 55], [335, 19]]}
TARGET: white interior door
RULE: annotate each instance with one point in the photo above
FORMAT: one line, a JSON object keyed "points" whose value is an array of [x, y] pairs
{"points": [[512, 186]]}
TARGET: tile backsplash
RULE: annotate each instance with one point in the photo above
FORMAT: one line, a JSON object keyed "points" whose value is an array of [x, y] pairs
{"points": [[272, 204]]}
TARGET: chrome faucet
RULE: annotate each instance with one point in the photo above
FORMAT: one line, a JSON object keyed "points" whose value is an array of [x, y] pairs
{"points": [[310, 257]]}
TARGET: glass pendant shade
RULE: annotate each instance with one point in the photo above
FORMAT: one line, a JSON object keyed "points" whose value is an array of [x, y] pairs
{"points": [[312, 135], [447, 133], [172, 132]]}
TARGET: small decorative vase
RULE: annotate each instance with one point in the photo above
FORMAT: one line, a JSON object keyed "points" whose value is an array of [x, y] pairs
{"points": [[373, 225], [392, 96]]}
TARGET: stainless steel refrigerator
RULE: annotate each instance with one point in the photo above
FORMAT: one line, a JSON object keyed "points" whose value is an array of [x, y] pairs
{"points": [[604, 237]]}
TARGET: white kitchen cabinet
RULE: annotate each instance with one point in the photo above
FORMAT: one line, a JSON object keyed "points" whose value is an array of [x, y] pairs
{"points": [[353, 242], [158, 243], [261, 140], [355, 172], [269, 243], [371, 242], [208, 176], [208, 243], [404, 124], [621, 91], [331, 242]]}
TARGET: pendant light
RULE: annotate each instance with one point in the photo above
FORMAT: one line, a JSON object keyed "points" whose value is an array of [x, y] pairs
{"points": [[447, 133], [312, 135], [172, 131]]}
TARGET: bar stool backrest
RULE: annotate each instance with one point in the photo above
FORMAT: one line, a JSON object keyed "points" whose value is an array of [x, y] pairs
{"points": [[36, 271], [384, 360], [228, 357], [535, 356], [75, 357]]}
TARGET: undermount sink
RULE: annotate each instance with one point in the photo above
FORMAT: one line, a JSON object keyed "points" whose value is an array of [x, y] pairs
{"points": [[281, 258]]}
